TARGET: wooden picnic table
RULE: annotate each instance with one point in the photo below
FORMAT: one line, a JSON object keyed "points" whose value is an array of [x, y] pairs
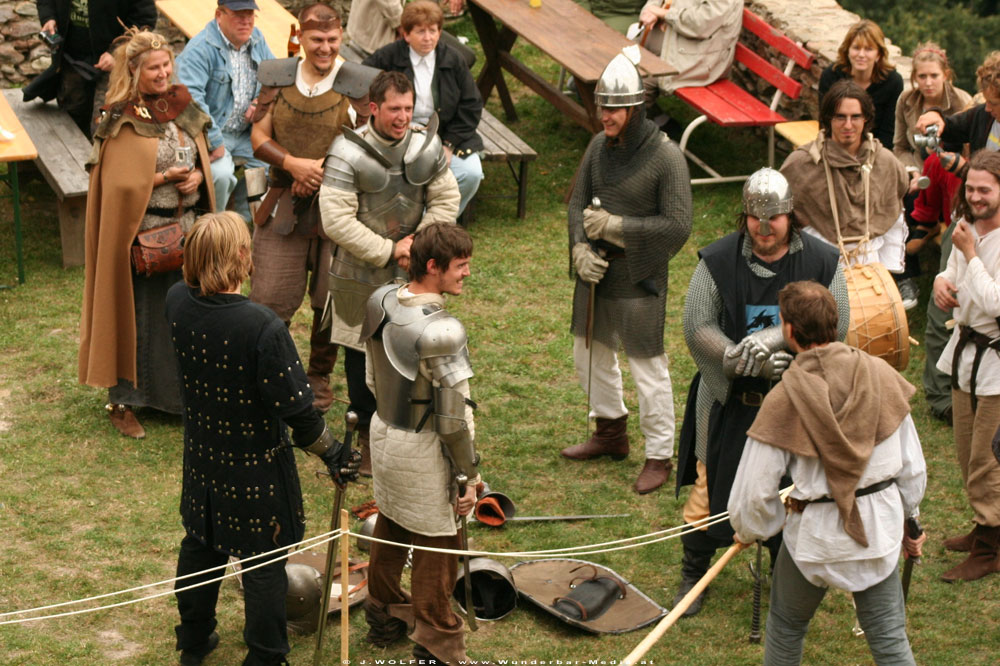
{"points": [[18, 149], [565, 32], [191, 16]]}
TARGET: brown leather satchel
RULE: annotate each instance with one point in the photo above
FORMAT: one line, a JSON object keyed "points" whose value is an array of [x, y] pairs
{"points": [[158, 250]]}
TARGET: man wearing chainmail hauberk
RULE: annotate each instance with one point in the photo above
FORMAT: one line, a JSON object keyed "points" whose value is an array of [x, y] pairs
{"points": [[620, 247], [731, 327], [422, 441], [381, 184], [299, 113]]}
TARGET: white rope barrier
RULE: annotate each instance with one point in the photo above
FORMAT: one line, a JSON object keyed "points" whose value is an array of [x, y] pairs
{"points": [[284, 552], [318, 541]]}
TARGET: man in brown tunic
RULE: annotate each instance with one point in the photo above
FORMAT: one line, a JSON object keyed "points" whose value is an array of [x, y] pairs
{"points": [[847, 178], [298, 117]]}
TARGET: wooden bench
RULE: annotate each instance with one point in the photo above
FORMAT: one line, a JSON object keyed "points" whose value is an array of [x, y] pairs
{"points": [[62, 155], [500, 144], [191, 16], [798, 132], [728, 105]]}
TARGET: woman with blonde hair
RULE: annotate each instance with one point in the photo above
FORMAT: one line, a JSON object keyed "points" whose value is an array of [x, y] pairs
{"points": [[148, 173], [864, 57], [931, 80]]}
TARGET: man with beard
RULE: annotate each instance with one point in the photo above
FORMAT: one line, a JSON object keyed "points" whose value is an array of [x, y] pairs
{"points": [[969, 285], [381, 184], [847, 179], [732, 329], [298, 116], [629, 214]]}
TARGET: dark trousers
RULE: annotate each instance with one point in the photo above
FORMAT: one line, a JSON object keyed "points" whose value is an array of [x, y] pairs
{"points": [[362, 399], [264, 590]]}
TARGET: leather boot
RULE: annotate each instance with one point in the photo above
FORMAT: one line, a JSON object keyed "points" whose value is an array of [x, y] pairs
{"points": [[610, 438], [322, 358], [194, 657], [322, 394], [366, 452], [693, 566], [962, 543], [653, 475], [124, 421], [383, 628], [983, 559]]}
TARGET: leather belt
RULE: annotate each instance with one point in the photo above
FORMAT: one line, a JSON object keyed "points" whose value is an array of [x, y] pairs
{"points": [[967, 334], [167, 212], [799, 505], [751, 398]]}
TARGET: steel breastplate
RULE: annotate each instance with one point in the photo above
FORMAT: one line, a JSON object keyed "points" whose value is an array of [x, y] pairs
{"points": [[393, 331]]}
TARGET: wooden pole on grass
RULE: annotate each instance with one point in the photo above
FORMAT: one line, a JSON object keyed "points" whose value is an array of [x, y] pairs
{"points": [[345, 587], [657, 633]]}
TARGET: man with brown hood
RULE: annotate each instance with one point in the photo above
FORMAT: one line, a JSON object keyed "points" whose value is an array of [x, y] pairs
{"points": [[839, 425]]}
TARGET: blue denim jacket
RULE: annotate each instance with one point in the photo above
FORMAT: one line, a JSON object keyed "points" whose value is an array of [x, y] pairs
{"points": [[204, 68]]}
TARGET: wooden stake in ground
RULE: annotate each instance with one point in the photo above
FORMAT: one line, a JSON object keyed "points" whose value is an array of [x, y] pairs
{"points": [[345, 587], [657, 633]]}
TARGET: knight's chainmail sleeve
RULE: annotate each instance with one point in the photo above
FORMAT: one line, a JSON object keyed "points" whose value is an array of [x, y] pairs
{"points": [[651, 241], [582, 194], [703, 312], [838, 287]]}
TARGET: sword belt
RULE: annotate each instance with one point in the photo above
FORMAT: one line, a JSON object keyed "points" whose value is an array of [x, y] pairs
{"points": [[967, 334], [799, 505]]}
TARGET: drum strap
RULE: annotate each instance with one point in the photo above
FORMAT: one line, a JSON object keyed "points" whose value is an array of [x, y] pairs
{"points": [[866, 175], [967, 334]]}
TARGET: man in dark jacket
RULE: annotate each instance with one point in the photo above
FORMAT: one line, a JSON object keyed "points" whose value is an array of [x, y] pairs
{"points": [[444, 85], [78, 76], [240, 495]]}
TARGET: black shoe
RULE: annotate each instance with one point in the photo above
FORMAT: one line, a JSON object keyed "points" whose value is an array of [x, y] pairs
{"points": [[909, 293], [943, 415], [685, 587], [195, 657]]}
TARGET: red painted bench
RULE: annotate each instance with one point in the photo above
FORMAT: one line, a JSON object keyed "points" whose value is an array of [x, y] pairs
{"points": [[728, 105]]}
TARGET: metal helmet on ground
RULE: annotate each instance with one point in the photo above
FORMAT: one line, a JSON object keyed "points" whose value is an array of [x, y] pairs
{"points": [[766, 194], [305, 589], [620, 84]]}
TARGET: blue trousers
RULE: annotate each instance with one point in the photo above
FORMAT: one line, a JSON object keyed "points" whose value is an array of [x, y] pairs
{"points": [[794, 600]]}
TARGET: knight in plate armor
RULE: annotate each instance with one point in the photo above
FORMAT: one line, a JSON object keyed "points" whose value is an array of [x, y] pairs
{"points": [[381, 184], [300, 111], [629, 214], [422, 441]]}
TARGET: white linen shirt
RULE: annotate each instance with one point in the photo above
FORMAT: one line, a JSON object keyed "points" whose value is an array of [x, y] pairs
{"points": [[825, 554], [978, 306], [423, 75]]}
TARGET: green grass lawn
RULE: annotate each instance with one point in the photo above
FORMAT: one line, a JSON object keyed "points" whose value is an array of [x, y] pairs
{"points": [[84, 511]]}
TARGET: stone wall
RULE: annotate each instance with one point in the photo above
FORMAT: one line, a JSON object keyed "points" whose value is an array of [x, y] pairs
{"points": [[818, 24], [23, 55]]}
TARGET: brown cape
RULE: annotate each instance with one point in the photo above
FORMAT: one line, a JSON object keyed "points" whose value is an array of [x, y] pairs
{"points": [[836, 403], [805, 174], [121, 182]]}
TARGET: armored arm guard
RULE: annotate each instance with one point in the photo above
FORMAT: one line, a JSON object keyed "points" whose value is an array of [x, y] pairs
{"points": [[443, 348]]}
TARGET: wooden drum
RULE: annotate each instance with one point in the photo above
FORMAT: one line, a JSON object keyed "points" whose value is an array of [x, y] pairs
{"points": [[878, 320]]}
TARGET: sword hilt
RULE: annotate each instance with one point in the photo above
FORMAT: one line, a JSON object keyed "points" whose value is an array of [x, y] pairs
{"points": [[914, 531]]}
